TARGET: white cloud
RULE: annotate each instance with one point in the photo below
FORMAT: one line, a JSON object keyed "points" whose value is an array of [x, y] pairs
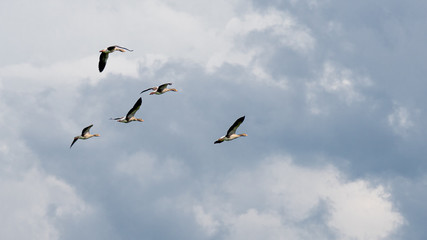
{"points": [[363, 212], [66, 73], [279, 25], [210, 39], [275, 200], [336, 81], [400, 120], [34, 202], [205, 220], [282, 25], [254, 225]]}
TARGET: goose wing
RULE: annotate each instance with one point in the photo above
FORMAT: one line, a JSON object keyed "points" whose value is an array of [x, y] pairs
{"points": [[162, 87], [236, 124], [102, 61], [118, 118], [135, 108], [124, 48], [75, 139], [86, 130], [148, 89]]}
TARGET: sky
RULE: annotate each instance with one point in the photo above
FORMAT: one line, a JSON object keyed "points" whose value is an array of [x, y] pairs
{"points": [[332, 92]]}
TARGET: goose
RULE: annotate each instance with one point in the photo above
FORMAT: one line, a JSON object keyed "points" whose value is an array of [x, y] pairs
{"points": [[104, 55], [85, 135], [231, 133], [160, 89], [130, 116]]}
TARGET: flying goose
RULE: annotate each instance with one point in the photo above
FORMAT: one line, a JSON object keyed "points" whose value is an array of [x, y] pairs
{"points": [[85, 135], [130, 116], [160, 89], [231, 133], [104, 55]]}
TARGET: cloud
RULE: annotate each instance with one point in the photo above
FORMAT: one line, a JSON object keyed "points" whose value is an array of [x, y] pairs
{"points": [[411, 199], [205, 220], [68, 73], [338, 82], [400, 120], [281, 27], [150, 169], [191, 33], [278, 200], [34, 204], [255, 225], [315, 79]]}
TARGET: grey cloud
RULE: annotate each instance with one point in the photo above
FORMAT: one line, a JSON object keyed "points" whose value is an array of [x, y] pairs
{"points": [[381, 43]]}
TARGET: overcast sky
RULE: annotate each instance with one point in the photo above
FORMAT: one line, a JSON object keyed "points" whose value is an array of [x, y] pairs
{"points": [[333, 93]]}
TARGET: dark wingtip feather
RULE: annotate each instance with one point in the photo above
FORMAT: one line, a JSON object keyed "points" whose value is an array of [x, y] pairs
{"points": [[75, 139], [101, 68], [102, 61], [139, 102], [146, 90]]}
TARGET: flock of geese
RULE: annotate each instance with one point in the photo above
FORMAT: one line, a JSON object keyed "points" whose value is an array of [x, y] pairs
{"points": [[130, 116]]}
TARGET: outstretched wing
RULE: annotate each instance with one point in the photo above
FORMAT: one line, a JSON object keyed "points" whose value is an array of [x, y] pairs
{"points": [[162, 87], [102, 61], [86, 130], [234, 127], [75, 139], [135, 108], [118, 118], [124, 48], [147, 90]]}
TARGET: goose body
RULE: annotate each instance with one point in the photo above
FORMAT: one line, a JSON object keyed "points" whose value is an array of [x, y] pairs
{"points": [[85, 135], [231, 133], [130, 115], [106, 52], [160, 89]]}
